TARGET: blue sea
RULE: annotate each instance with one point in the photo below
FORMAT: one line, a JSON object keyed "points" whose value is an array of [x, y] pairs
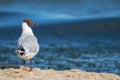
{"points": [[74, 34]]}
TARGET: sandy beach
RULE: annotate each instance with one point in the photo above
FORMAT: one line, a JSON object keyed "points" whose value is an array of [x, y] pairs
{"points": [[50, 74]]}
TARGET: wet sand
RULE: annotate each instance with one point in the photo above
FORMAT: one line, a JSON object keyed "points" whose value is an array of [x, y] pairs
{"points": [[50, 74]]}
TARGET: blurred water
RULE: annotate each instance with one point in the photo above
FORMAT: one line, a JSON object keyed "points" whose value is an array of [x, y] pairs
{"points": [[78, 34], [46, 11]]}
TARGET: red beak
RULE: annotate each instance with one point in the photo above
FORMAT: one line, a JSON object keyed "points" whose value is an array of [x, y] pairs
{"points": [[35, 24]]}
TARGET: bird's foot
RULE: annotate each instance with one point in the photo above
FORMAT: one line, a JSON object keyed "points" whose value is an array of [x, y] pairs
{"points": [[25, 69], [30, 69]]}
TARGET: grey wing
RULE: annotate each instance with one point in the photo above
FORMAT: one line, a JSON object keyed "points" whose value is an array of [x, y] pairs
{"points": [[29, 44]]}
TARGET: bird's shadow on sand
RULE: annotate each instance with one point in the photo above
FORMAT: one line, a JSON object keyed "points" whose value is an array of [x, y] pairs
{"points": [[9, 66]]}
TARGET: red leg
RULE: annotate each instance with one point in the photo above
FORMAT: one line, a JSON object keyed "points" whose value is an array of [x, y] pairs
{"points": [[30, 65], [24, 64]]}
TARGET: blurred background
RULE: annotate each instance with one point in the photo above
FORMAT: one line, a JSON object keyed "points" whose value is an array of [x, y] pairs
{"points": [[79, 34]]}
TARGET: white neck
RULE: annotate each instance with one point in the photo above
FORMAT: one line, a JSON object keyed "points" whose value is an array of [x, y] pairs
{"points": [[26, 29]]}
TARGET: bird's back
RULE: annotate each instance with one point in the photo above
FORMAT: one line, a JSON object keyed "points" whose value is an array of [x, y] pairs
{"points": [[29, 43]]}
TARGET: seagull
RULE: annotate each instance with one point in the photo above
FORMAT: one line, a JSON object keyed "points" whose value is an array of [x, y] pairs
{"points": [[27, 46]]}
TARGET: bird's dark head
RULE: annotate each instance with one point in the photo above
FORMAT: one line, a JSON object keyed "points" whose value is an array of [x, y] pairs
{"points": [[30, 22]]}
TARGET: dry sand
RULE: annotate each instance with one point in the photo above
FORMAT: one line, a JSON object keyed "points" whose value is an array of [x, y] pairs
{"points": [[37, 74]]}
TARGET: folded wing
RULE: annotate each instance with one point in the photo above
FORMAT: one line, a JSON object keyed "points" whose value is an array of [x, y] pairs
{"points": [[28, 44]]}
